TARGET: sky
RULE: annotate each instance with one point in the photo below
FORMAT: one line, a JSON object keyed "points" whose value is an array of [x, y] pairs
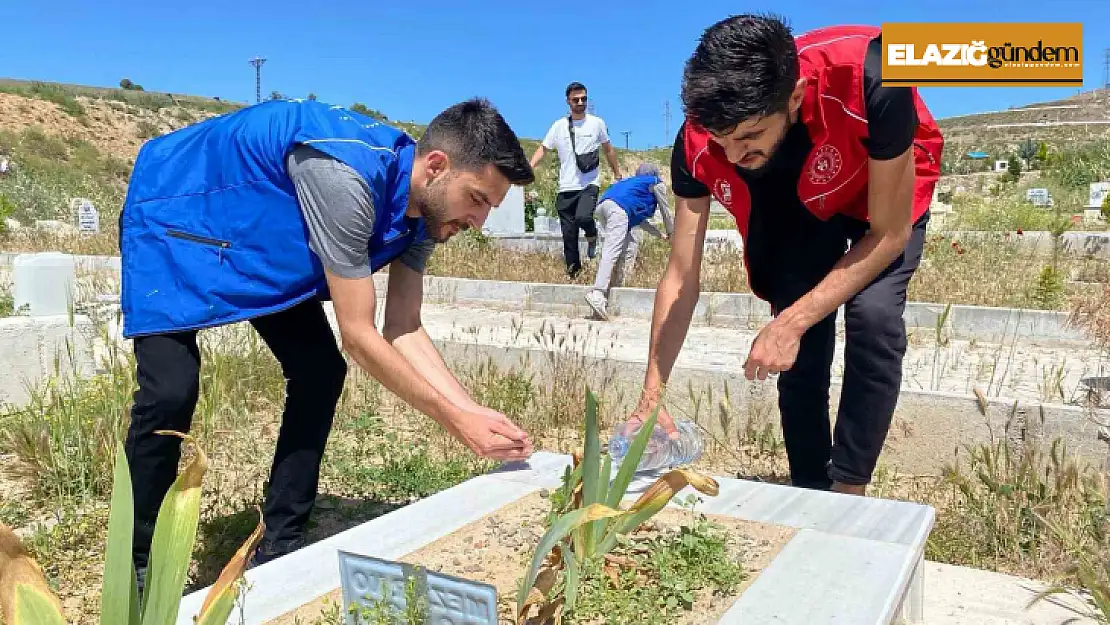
{"points": [[410, 60]]}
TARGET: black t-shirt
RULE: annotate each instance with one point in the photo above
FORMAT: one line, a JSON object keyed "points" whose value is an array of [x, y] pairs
{"points": [[891, 119]]}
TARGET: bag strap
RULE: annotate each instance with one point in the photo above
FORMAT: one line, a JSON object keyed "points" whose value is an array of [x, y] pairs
{"points": [[570, 128]]}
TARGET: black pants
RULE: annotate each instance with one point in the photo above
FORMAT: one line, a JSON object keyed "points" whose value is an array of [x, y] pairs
{"points": [[875, 344], [576, 211], [169, 379]]}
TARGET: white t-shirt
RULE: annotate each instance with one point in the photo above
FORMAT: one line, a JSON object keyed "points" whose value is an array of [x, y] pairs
{"points": [[589, 134]]}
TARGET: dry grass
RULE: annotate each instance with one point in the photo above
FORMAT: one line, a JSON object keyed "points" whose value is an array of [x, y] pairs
{"points": [[991, 270], [383, 455]]}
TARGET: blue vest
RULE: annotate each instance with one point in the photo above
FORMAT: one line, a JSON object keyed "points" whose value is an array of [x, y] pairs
{"points": [[211, 231], [635, 196]]}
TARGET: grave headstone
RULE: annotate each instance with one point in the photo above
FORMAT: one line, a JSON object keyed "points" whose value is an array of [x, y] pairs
{"points": [[367, 581], [88, 219], [1092, 215], [5, 164], [546, 225], [1097, 193], [508, 218], [1038, 197]]}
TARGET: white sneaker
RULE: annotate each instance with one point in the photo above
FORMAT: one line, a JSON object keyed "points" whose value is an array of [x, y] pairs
{"points": [[597, 301]]}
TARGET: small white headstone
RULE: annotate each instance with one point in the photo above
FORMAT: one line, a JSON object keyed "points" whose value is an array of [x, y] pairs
{"points": [[1001, 165], [1097, 194], [5, 164], [545, 225], [1092, 215], [88, 219], [1038, 197], [508, 218]]}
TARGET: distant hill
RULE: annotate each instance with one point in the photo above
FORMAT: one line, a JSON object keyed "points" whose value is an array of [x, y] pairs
{"points": [[72, 140], [115, 122], [1060, 124]]}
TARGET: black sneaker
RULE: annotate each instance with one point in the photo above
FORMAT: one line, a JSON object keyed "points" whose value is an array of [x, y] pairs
{"points": [[267, 551], [140, 581]]}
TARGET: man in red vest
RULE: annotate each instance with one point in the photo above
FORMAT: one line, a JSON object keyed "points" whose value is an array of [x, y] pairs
{"points": [[799, 140]]}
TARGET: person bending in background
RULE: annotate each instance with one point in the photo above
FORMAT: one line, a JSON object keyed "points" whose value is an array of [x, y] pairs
{"points": [[624, 211]]}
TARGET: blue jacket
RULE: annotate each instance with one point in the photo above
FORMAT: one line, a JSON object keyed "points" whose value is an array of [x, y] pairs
{"points": [[635, 196], [211, 231]]}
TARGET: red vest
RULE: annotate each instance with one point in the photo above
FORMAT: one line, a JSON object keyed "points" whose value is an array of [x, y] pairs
{"points": [[834, 177]]}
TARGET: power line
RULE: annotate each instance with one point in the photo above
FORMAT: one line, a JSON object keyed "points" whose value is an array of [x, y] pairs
{"points": [[626, 133], [257, 63]]}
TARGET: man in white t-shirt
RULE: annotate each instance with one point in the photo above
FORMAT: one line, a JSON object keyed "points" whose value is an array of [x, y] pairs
{"points": [[579, 169]]}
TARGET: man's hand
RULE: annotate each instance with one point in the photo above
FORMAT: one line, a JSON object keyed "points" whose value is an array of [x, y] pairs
{"points": [[643, 412], [489, 436], [774, 350]]}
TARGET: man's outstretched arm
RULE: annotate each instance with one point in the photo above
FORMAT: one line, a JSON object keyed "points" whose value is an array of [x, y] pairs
{"points": [[355, 302], [675, 299], [405, 331], [890, 204]]}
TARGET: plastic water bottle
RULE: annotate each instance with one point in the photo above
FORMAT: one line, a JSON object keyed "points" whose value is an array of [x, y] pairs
{"points": [[661, 451]]}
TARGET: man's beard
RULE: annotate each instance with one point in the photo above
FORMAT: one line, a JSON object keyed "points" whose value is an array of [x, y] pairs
{"points": [[770, 157], [431, 201]]}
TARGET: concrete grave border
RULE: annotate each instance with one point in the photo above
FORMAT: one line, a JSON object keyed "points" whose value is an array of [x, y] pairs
{"points": [[985, 323], [843, 543]]}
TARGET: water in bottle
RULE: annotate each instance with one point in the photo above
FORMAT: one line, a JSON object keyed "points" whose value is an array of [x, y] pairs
{"points": [[661, 451]]}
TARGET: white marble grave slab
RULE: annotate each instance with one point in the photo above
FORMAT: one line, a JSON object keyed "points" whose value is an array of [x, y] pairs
{"points": [[855, 560]]}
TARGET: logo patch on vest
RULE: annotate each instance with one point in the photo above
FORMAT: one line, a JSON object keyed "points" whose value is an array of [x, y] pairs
{"points": [[825, 164], [723, 192]]}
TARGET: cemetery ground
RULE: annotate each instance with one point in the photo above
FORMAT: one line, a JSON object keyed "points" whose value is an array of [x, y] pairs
{"points": [[1031, 511]]}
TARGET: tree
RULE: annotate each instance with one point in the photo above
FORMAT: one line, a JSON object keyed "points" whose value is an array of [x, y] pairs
{"points": [[126, 84], [1013, 169], [1042, 153], [312, 96], [1027, 151], [362, 109], [276, 95]]}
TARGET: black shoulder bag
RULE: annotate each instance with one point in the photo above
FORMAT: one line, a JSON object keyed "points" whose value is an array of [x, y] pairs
{"points": [[586, 162]]}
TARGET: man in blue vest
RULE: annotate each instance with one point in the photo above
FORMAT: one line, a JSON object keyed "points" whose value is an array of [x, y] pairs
{"points": [[261, 214], [625, 206]]}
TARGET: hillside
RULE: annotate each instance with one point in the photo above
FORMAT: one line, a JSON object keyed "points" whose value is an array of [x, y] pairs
{"points": [[1067, 124], [74, 141], [69, 141]]}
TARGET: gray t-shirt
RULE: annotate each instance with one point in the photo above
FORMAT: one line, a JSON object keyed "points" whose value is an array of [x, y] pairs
{"points": [[339, 211]]}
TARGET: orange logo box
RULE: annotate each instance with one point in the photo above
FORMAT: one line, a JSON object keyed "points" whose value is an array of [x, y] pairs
{"points": [[941, 54]]}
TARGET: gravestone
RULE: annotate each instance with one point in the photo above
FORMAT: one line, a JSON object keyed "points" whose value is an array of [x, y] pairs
{"points": [[508, 218], [1038, 197], [368, 581], [1097, 194], [546, 225], [5, 164], [88, 219]]}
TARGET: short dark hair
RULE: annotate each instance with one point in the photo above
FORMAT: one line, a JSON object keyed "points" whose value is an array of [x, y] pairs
{"points": [[473, 134], [575, 86], [744, 66]]}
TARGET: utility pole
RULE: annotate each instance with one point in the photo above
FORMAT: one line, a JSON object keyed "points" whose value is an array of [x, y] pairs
{"points": [[626, 133], [1106, 69], [257, 63], [666, 121]]}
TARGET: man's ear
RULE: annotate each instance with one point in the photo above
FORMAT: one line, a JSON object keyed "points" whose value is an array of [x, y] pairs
{"points": [[798, 94], [436, 163]]}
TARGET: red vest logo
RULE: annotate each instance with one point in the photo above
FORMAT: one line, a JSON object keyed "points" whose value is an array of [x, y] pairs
{"points": [[724, 192], [825, 164]]}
